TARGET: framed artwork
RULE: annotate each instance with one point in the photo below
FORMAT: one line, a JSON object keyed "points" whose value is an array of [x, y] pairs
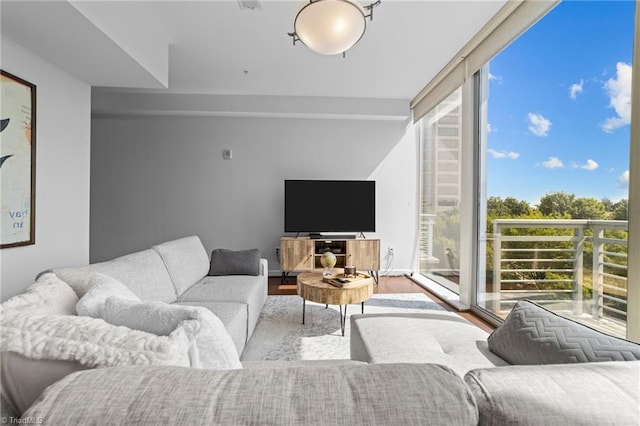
{"points": [[17, 161]]}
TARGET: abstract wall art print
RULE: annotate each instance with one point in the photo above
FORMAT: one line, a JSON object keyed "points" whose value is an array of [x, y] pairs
{"points": [[17, 161]]}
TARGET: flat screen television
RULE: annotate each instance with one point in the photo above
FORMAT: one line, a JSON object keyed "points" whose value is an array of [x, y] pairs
{"points": [[315, 206]]}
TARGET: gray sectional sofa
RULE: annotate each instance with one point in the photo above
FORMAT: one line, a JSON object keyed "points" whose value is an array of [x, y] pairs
{"points": [[44, 339], [176, 272], [433, 368]]}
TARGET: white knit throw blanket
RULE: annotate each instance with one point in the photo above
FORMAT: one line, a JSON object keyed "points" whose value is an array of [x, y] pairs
{"points": [[89, 341], [37, 327]]}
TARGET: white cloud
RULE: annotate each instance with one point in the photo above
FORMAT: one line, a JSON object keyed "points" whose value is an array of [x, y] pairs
{"points": [[496, 78], [539, 125], [590, 165], [489, 128], [503, 154], [618, 90], [624, 178], [575, 89], [553, 163]]}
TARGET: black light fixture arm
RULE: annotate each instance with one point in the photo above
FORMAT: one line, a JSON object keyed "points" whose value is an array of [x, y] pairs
{"points": [[294, 36], [370, 9]]}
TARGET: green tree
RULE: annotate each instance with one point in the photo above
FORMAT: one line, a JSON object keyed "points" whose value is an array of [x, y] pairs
{"points": [[608, 204], [587, 208], [620, 210], [556, 204], [445, 244], [507, 208]]}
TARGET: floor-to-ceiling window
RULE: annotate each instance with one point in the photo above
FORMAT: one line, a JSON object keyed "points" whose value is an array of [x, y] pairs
{"points": [[440, 192], [535, 116], [555, 166]]}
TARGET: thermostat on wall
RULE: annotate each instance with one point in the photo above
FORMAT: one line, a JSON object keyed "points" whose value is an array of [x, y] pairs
{"points": [[227, 154]]}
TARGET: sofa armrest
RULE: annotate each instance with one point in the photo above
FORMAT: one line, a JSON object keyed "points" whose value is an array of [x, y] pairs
{"points": [[264, 267], [582, 393]]}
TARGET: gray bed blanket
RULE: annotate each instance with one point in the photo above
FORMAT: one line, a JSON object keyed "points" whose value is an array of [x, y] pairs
{"points": [[339, 395]]}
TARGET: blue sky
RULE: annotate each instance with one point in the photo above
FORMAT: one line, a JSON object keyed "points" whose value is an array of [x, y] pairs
{"points": [[559, 105]]}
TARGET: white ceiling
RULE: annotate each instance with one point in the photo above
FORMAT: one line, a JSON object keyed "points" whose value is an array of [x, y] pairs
{"points": [[214, 47]]}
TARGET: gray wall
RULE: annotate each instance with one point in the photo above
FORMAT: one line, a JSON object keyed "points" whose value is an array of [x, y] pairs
{"points": [[162, 177], [63, 108]]}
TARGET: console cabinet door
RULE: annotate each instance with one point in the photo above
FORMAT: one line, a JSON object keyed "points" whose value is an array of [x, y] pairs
{"points": [[364, 254], [296, 255]]}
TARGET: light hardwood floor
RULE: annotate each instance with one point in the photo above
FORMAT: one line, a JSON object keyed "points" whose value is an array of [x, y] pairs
{"points": [[386, 285]]}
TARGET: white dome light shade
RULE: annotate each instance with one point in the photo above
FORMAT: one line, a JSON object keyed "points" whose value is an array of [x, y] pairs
{"points": [[330, 27]]}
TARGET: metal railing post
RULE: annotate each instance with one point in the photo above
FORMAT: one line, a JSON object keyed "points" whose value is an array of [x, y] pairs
{"points": [[598, 271], [497, 268], [430, 223], [578, 264]]}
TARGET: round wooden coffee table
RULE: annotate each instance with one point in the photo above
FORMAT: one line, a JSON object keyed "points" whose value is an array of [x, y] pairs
{"points": [[311, 287]]}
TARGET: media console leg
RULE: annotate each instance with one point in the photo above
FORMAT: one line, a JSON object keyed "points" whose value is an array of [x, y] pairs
{"points": [[304, 304]]}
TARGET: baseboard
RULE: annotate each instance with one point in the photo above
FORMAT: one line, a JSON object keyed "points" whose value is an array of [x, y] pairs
{"points": [[396, 272], [390, 273]]}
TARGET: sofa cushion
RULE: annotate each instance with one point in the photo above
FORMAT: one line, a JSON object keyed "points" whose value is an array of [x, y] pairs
{"points": [[186, 260], [249, 290], [102, 287], [145, 274], [235, 262], [435, 337], [212, 346], [602, 393], [233, 315], [533, 335], [399, 394]]}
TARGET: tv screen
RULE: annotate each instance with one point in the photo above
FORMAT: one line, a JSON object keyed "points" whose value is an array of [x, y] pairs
{"points": [[316, 206]]}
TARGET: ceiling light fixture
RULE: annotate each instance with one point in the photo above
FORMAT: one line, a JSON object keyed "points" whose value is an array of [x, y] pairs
{"points": [[330, 27]]}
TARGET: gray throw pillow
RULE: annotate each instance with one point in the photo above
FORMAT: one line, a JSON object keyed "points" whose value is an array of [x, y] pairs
{"points": [[230, 262], [533, 335]]}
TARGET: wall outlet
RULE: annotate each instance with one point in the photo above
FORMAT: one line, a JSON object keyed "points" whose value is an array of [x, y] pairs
{"points": [[392, 251]]}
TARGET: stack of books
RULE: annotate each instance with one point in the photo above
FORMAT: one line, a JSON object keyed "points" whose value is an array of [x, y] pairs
{"points": [[340, 280]]}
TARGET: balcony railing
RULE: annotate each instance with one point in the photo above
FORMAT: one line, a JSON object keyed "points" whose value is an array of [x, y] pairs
{"points": [[575, 267]]}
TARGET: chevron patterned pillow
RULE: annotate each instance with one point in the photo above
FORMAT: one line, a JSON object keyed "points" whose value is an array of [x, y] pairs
{"points": [[533, 335]]}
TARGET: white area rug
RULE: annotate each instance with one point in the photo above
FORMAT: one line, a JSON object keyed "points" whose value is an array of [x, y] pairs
{"points": [[280, 334]]}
